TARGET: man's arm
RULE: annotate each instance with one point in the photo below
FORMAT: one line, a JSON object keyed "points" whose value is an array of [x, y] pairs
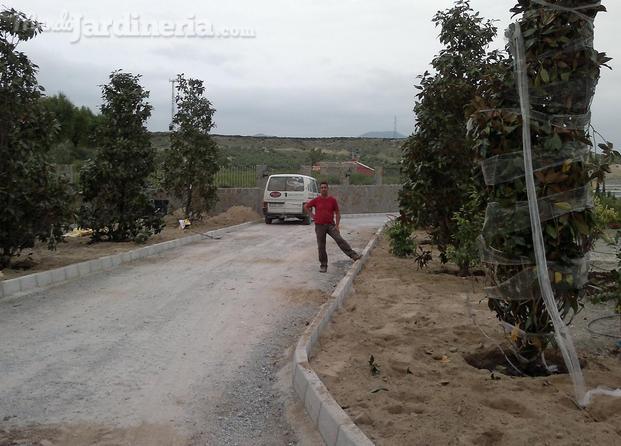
{"points": [[308, 210], [337, 218]]}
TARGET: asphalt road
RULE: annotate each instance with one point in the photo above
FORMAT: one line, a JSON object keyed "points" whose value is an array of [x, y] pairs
{"points": [[188, 347]]}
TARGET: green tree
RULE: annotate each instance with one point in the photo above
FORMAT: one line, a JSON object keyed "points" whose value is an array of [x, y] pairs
{"points": [[33, 201], [114, 185], [84, 124], [315, 155], [76, 126], [438, 160], [191, 163], [63, 110]]}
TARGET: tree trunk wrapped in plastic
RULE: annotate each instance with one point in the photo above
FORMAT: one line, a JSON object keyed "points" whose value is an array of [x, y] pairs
{"points": [[551, 47]]}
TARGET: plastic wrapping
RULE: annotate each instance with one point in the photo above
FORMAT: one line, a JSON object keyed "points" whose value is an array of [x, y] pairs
{"points": [[540, 197], [510, 166], [524, 285], [507, 220], [560, 120], [563, 339], [562, 336]]}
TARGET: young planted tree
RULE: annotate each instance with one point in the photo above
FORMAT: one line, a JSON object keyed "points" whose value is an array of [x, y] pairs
{"points": [[116, 205], [191, 163], [562, 69], [33, 203], [438, 159]]}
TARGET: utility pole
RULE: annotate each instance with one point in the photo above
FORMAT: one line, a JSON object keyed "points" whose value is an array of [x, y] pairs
{"points": [[172, 102], [394, 131]]}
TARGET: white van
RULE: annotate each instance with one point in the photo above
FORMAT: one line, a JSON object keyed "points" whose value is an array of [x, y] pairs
{"points": [[285, 196]]}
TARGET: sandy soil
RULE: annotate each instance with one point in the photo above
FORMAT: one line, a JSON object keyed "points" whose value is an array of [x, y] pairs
{"points": [[615, 174], [419, 326], [76, 250]]}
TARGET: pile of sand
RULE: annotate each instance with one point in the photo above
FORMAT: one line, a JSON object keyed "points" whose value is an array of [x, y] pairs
{"points": [[233, 216]]}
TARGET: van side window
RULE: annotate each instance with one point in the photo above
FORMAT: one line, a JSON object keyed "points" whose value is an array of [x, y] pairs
{"points": [[314, 187]]}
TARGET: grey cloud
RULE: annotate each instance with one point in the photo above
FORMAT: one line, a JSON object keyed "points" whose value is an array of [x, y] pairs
{"points": [[316, 68], [187, 52]]}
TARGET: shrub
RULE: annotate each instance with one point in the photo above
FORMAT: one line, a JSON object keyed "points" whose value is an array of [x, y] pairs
{"points": [[605, 215], [469, 222], [358, 179], [402, 242]]}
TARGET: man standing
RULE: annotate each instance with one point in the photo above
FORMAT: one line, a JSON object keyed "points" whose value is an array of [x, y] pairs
{"points": [[327, 219]]}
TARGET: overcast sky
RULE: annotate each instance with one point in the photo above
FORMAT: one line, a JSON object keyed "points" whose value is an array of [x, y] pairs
{"points": [[309, 67]]}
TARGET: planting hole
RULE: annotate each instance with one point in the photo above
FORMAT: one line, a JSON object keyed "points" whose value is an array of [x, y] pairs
{"points": [[495, 361]]}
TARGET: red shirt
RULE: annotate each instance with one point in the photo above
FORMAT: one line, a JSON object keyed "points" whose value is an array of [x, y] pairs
{"points": [[324, 209]]}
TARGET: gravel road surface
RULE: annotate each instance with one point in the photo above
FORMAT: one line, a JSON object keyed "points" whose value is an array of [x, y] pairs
{"points": [[188, 347]]}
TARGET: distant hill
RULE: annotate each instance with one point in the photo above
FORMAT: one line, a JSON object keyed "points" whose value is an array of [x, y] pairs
{"points": [[283, 152], [385, 135]]}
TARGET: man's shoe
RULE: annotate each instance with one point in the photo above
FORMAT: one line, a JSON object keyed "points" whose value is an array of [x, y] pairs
{"points": [[356, 257], [323, 269]]}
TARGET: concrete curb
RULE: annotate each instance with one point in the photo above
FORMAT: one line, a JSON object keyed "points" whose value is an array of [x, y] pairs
{"points": [[371, 214], [334, 425], [75, 270]]}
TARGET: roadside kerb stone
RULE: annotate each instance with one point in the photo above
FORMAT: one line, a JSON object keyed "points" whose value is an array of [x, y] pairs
{"points": [[75, 270], [350, 435], [11, 286], [44, 278], [72, 272], [334, 425]]}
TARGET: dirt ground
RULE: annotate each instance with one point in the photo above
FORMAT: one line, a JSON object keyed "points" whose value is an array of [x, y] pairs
{"points": [[78, 249], [419, 326], [615, 173]]}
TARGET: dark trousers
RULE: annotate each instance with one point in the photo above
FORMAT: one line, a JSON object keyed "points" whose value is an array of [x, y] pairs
{"points": [[321, 231]]}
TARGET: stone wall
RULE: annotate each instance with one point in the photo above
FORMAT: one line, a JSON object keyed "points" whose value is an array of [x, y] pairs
{"points": [[352, 199], [366, 199], [250, 197]]}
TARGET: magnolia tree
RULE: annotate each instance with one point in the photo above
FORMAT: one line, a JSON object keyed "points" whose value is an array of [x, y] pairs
{"points": [[191, 163], [33, 202], [562, 70], [438, 159], [116, 205]]}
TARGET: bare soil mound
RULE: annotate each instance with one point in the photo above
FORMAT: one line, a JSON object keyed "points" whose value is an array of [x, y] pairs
{"points": [[78, 249]]}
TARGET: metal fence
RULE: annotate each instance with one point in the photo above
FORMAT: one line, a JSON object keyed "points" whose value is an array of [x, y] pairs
{"points": [[613, 188], [237, 176]]}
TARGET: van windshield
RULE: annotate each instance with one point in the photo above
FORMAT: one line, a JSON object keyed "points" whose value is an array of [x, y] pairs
{"points": [[291, 184]]}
